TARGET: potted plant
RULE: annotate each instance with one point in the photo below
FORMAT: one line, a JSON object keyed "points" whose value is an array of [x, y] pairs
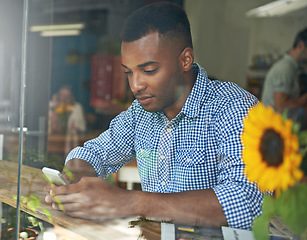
{"points": [[9, 224], [274, 150]]}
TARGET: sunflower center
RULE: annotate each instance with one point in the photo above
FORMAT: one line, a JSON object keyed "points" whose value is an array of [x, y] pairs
{"points": [[272, 148]]}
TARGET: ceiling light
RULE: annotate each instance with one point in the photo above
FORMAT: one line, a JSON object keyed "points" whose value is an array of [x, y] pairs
{"points": [[74, 26], [277, 8], [60, 33]]}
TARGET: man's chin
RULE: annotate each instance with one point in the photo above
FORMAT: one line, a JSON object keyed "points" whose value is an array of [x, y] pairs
{"points": [[149, 108]]}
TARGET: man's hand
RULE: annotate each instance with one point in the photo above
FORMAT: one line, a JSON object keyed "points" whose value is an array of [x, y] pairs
{"points": [[73, 171], [92, 198], [95, 198], [78, 168]]}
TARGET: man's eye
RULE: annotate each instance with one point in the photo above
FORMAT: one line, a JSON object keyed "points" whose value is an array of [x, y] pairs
{"points": [[128, 72], [150, 71]]}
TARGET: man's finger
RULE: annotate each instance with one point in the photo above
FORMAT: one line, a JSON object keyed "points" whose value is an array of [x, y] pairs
{"points": [[74, 207], [70, 198], [65, 189], [47, 188], [49, 198]]}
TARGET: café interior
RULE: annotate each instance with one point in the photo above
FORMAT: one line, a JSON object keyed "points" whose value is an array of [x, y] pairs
{"points": [[61, 83]]}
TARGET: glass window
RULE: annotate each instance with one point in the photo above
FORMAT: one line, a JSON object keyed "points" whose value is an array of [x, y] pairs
{"points": [[60, 85], [11, 28]]}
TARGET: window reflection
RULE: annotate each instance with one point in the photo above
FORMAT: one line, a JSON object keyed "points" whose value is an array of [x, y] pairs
{"points": [[74, 87], [11, 15]]}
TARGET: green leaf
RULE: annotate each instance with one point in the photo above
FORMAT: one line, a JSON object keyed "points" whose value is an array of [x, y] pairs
{"points": [[110, 179], [35, 198], [24, 199], [302, 137], [33, 221], [292, 208], [261, 224], [33, 203], [284, 115], [261, 227], [296, 127], [68, 173], [32, 206], [303, 166], [269, 205], [48, 214], [303, 151]]}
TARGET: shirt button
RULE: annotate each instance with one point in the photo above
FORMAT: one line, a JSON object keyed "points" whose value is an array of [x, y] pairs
{"points": [[168, 130], [162, 157], [163, 183], [188, 160], [142, 150]]}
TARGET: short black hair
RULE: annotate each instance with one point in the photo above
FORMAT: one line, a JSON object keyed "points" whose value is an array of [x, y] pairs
{"points": [[301, 36], [168, 19]]}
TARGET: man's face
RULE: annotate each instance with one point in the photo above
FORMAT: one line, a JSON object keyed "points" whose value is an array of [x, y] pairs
{"points": [[303, 55], [153, 72]]}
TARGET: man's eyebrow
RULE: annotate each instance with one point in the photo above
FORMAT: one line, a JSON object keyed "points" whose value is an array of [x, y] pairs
{"points": [[146, 64], [124, 66], [143, 64]]}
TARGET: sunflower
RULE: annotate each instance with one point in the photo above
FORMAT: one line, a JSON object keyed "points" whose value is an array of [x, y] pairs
{"points": [[63, 108], [270, 150]]}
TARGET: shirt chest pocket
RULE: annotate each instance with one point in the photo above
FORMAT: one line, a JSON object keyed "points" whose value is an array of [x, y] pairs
{"points": [[190, 157]]}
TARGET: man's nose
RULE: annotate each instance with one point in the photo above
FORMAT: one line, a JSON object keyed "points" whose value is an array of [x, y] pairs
{"points": [[137, 83]]}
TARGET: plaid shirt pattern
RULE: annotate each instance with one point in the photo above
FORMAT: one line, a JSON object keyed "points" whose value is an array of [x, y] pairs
{"points": [[200, 148]]}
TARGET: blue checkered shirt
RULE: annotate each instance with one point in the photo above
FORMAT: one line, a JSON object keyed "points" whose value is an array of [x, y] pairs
{"points": [[200, 148]]}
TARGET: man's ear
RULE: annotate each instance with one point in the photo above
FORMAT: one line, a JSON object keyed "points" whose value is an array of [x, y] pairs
{"points": [[186, 59]]}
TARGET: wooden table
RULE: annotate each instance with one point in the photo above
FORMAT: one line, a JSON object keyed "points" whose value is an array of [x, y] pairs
{"points": [[32, 184]]}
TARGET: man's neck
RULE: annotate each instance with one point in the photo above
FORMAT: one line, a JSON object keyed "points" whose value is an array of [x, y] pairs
{"points": [[172, 111]]}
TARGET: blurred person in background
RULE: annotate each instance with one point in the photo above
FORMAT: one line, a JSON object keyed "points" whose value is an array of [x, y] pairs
{"points": [[281, 88], [66, 116]]}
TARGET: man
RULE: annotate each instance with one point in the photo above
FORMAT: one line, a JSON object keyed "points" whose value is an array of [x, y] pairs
{"points": [[183, 129], [281, 86]]}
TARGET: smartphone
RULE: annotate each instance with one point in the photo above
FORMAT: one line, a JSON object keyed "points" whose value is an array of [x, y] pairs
{"points": [[55, 176]]}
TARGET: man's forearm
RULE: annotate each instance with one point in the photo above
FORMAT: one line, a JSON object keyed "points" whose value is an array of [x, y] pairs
{"points": [[99, 199], [283, 101], [79, 168], [196, 208]]}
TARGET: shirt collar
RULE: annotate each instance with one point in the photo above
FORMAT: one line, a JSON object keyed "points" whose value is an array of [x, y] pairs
{"points": [[193, 103], [291, 59]]}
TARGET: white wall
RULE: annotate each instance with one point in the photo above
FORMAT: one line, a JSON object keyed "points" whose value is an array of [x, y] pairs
{"points": [[225, 40], [276, 35]]}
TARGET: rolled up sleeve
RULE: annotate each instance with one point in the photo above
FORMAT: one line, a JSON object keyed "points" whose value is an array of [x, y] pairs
{"points": [[241, 200], [111, 149]]}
